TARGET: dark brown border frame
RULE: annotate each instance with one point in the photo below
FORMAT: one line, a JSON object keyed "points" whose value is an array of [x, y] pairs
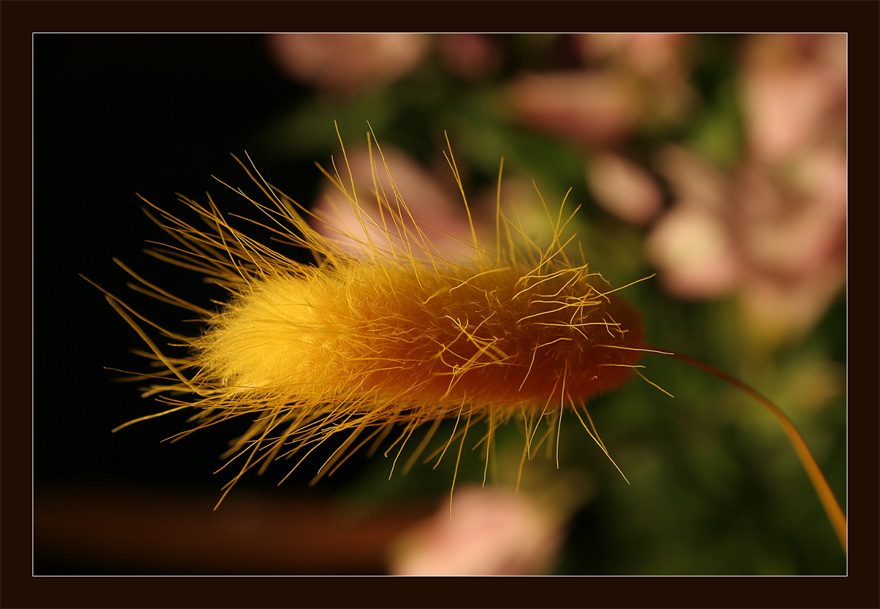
{"points": [[20, 19]]}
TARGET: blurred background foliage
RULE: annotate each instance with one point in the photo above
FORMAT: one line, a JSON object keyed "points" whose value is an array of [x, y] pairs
{"points": [[713, 164]]}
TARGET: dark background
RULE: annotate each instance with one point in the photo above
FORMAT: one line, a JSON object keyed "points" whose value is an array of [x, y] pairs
{"points": [[117, 115]]}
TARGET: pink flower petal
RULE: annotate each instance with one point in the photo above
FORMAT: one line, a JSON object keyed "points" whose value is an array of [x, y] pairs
{"points": [[596, 108], [492, 531], [347, 62], [623, 188]]}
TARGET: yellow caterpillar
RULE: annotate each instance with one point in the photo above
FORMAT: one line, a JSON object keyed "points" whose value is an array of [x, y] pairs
{"points": [[386, 333]]}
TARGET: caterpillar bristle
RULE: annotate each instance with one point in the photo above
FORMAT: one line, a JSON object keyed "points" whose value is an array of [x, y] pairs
{"points": [[385, 330]]}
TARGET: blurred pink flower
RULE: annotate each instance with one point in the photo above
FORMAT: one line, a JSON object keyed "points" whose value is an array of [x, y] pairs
{"points": [[623, 188], [492, 531], [777, 239], [347, 63], [598, 108], [654, 56], [470, 56], [774, 228], [659, 63], [627, 80], [793, 93], [691, 243]]}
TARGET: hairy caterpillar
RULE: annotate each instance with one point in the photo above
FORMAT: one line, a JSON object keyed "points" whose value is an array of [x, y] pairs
{"points": [[387, 333]]}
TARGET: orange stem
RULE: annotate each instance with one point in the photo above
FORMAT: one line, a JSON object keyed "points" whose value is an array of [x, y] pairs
{"points": [[829, 502]]}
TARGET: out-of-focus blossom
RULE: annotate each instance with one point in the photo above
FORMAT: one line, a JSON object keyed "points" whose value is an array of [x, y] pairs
{"points": [[599, 108], [798, 240], [624, 188], [348, 63], [471, 56], [492, 531], [691, 243], [654, 56], [774, 228], [776, 240], [660, 63], [627, 80], [793, 93]]}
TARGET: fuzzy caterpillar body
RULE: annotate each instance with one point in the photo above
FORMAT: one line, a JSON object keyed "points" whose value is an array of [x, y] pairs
{"points": [[385, 330], [384, 336]]}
